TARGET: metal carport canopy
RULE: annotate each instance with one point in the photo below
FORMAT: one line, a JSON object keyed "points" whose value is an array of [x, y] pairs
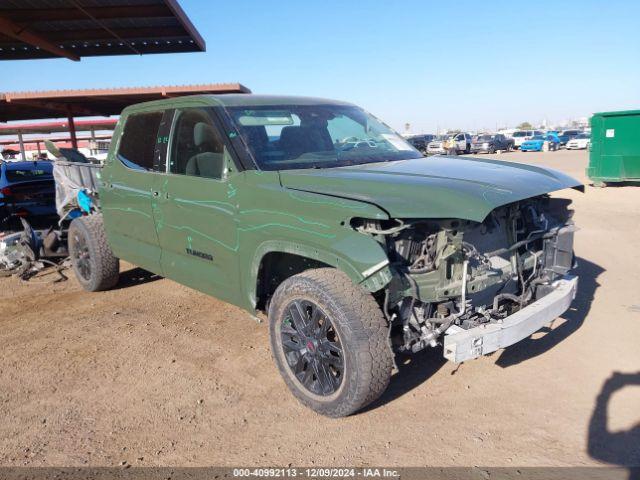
{"points": [[94, 102], [57, 126], [73, 29], [101, 102]]}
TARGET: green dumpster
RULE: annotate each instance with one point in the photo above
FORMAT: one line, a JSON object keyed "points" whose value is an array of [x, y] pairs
{"points": [[615, 147]]}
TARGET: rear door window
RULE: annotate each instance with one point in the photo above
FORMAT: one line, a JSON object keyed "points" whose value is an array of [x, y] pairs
{"points": [[139, 138]]}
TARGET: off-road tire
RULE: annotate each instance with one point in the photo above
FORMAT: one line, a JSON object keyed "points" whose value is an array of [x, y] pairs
{"points": [[87, 234], [362, 331]]}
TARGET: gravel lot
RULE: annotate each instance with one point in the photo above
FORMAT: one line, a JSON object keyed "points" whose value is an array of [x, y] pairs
{"points": [[153, 373]]}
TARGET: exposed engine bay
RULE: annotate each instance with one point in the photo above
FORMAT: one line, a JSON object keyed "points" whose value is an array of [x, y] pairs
{"points": [[464, 273]]}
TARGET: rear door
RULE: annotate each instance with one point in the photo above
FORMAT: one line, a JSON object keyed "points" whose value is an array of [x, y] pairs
{"points": [[196, 210], [127, 193]]}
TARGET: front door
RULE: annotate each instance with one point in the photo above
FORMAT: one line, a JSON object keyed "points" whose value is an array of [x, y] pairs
{"points": [[196, 210]]}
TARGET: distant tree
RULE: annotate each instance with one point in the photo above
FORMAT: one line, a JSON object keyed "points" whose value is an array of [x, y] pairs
{"points": [[524, 126]]}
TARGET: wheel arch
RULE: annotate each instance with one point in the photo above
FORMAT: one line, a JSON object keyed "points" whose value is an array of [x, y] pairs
{"points": [[274, 261]]}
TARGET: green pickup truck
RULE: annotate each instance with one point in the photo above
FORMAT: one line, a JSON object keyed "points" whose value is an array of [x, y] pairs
{"points": [[355, 245]]}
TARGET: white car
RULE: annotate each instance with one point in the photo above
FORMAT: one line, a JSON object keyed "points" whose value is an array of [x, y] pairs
{"points": [[580, 142], [440, 143], [520, 136]]}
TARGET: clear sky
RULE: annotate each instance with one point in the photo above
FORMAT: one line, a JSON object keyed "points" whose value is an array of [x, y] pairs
{"points": [[447, 64]]}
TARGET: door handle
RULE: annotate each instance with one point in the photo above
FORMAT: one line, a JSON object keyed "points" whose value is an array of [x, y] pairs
{"points": [[155, 194]]}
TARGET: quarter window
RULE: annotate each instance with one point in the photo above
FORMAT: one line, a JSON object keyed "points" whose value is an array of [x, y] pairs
{"points": [[138, 142], [197, 148]]}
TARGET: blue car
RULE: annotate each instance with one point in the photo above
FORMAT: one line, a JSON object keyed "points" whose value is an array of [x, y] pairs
{"points": [[27, 189], [541, 143]]}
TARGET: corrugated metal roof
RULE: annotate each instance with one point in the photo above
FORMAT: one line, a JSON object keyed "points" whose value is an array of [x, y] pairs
{"points": [[79, 28], [96, 102]]}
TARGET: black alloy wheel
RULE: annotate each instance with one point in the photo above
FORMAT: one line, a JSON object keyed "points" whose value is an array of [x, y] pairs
{"points": [[81, 256], [312, 347], [330, 341]]}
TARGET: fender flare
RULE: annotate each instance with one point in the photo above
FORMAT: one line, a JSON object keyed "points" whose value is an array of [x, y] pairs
{"points": [[331, 258]]}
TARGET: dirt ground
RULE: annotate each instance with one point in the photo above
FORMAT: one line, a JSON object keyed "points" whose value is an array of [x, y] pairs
{"points": [[154, 373]]}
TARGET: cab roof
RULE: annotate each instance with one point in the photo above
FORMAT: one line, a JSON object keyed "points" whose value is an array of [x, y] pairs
{"points": [[235, 100]]}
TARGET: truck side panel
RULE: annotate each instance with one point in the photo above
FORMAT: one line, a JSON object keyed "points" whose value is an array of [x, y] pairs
{"points": [[314, 226]]}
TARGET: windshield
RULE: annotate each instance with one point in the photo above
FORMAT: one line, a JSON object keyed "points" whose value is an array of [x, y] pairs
{"points": [[484, 138], [282, 137], [537, 137], [519, 134], [583, 136]]}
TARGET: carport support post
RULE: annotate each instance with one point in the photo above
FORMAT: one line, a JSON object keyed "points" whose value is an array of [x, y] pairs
{"points": [[72, 130], [23, 154], [92, 145]]}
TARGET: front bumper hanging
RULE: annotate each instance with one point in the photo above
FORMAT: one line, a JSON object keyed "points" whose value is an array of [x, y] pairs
{"points": [[461, 345]]}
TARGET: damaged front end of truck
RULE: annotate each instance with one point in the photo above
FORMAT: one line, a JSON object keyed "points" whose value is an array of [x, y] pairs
{"points": [[476, 287]]}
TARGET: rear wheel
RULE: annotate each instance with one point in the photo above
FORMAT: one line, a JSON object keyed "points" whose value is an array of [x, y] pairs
{"points": [[329, 340], [94, 264]]}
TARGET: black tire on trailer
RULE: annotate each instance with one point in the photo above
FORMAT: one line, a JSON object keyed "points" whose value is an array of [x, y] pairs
{"points": [[95, 265], [329, 340]]}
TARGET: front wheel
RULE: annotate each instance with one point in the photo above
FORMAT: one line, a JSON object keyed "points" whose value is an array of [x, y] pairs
{"points": [[95, 265], [329, 340]]}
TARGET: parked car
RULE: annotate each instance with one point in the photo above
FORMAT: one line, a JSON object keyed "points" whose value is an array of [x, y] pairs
{"points": [[520, 136], [437, 145], [567, 135], [579, 142], [456, 142], [27, 189], [420, 142], [491, 143], [541, 143], [242, 200]]}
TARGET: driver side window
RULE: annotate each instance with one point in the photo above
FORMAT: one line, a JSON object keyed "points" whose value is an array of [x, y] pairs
{"points": [[197, 148]]}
